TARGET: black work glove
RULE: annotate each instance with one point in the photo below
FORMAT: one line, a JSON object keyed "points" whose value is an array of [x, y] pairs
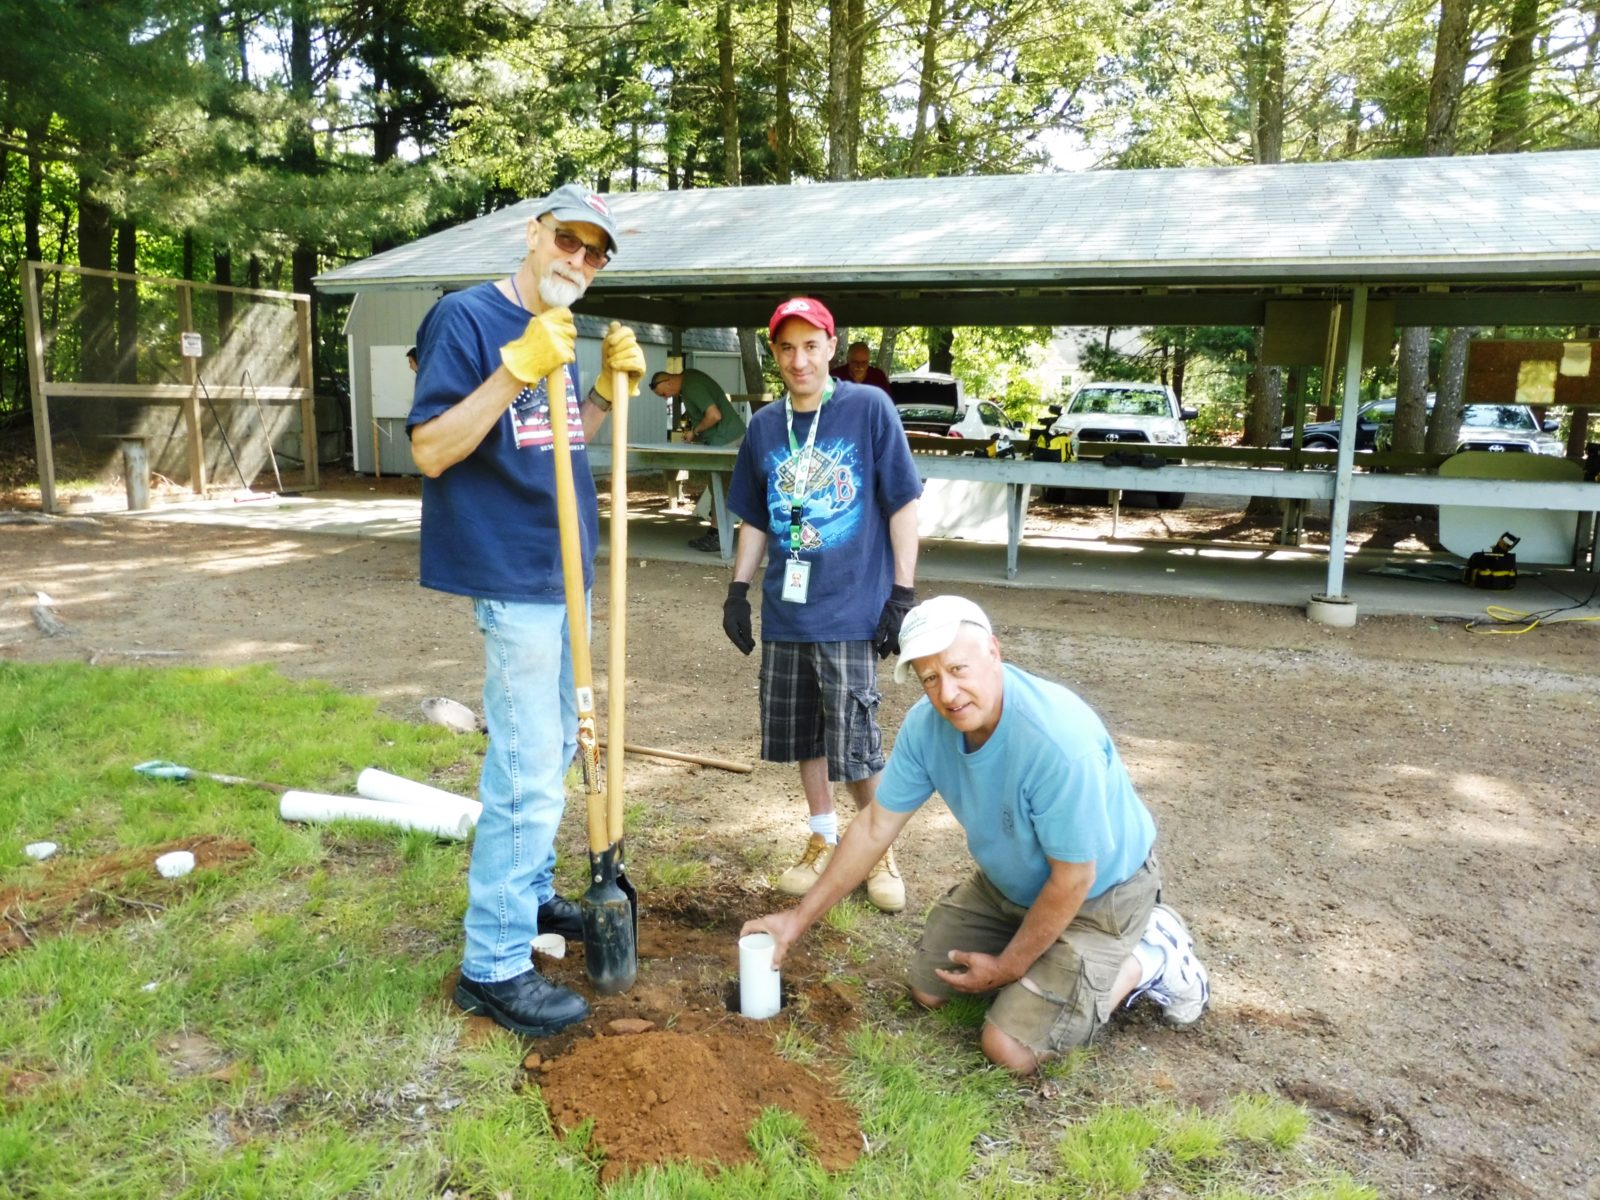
{"points": [[901, 601], [736, 617]]}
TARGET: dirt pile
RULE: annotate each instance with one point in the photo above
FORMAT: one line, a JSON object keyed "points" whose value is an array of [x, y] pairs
{"points": [[669, 1071], [663, 1096]]}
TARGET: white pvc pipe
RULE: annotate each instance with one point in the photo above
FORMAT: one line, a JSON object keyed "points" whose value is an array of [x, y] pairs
{"points": [[454, 824], [397, 789], [760, 990]]}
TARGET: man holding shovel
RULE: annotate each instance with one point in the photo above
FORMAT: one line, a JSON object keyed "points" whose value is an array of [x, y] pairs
{"points": [[1062, 920], [480, 427], [825, 484]]}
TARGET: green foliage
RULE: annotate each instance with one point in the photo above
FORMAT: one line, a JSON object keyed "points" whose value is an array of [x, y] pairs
{"points": [[1118, 1151], [1267, 1119], [295, 129]]}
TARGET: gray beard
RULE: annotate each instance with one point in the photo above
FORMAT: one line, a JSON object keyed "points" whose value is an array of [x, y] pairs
{"points": [[558, 292]]}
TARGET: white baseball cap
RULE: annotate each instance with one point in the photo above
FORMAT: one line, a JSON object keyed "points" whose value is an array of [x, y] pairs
{"points": [[931, 626]]}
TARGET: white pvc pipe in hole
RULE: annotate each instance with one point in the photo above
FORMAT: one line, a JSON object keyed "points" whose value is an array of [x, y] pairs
{"points": [[397, 789], [314, 806], [760, 988]]}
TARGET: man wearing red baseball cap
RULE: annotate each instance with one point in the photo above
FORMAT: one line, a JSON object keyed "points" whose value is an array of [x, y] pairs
{"points": [[828, 493]]}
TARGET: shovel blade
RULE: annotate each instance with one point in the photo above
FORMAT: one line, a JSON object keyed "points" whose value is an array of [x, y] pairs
{"points": [[610, 935]]}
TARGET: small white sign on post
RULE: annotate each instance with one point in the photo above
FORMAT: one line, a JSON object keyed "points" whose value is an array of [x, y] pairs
{"points": [[191, 344]]}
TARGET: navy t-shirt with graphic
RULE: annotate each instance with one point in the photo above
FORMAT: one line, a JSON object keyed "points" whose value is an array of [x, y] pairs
{"points": [[860, 474], [489, 522]]}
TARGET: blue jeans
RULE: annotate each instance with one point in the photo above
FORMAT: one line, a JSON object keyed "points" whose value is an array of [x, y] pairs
{"points": [[527, 680]]}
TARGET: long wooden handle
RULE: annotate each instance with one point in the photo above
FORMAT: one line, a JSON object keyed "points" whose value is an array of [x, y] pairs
{"points": [[577, 610], [617, 669], [701, 760]]}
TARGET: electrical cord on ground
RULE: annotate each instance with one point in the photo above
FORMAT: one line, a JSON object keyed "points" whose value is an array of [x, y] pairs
{"points": [[1498, 619]]}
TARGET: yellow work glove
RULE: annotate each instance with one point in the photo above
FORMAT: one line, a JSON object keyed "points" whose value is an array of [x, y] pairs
{"points": [[619, 351], [549, 341]]}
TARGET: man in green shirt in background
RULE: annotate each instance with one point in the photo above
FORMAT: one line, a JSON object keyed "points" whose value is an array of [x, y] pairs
{"points": [[712, 419]]}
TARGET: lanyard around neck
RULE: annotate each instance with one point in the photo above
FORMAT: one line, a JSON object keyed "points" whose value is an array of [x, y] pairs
{"points": [[803, 461]]}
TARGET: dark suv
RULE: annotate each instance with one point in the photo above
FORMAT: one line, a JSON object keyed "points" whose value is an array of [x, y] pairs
{"points": [[1497, 427]]}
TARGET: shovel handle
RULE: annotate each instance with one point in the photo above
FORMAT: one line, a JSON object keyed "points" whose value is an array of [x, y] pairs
{"points": [[577, 610], [617, 661]]}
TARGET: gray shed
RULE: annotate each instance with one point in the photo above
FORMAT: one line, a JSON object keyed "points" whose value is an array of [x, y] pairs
{"points": [[382, 325]]}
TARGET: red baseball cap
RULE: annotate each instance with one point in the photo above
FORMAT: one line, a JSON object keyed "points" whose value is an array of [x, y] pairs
{"points": [[811, 311]]}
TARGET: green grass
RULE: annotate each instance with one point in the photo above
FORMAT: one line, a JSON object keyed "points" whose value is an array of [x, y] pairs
{"points": [[266, 1030], [677, 873]]}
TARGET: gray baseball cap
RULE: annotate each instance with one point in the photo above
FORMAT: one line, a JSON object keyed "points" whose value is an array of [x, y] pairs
{"points": [[574, 202]]}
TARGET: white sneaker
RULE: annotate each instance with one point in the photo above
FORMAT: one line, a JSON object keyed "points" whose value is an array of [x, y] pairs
{"points": [[1183, 988], [885, 888], [797, 880]]}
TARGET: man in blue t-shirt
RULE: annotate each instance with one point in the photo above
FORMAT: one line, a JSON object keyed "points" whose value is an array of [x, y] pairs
{"points": [[828, 493], [1062, 921], [481, 433]]}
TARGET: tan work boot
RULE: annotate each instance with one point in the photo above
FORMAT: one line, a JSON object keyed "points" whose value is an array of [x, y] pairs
{"points": [[885, 888], [797, 880]]}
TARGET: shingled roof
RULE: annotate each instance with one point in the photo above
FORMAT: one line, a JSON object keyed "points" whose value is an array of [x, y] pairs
{"points": [[990, 244]]}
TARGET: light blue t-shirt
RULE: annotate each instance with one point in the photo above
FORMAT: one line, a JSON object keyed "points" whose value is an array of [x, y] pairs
{"points": [[1048, 784]]}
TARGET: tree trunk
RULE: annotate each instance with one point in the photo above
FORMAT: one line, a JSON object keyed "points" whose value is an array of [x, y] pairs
{"points": [[127, 304], [729, 95], [1270, 95], [926, 83], [1411, 402], [33, 200], [1444, 428], [941, 350], [855, 17], [222, 272], [885, 360], [1508, 131], [1449, 77], [1264, 419], [783, 50], [302, 148], [97, 317], [386, 126], [838, 91]]}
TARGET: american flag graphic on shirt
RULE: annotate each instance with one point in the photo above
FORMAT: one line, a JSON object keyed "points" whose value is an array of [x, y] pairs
{"points": [[530, 415]]}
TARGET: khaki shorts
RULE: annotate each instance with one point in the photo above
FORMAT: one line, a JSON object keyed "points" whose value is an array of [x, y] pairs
{"points": [[1075, 976]]}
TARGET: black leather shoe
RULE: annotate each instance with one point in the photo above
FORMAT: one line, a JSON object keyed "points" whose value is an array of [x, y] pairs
{"points": [[709, 543], [560, 915], [529, 1004]]}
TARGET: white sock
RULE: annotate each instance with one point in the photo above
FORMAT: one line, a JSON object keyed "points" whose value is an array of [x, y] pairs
{"points": [[827, 824], [1152, 961]]}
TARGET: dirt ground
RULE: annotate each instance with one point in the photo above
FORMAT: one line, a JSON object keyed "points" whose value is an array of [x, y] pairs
{"points": [[1383, 837]]}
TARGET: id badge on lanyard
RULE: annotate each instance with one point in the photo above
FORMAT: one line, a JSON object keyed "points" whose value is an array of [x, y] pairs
{"points": [[796, 580], [796, 570]]}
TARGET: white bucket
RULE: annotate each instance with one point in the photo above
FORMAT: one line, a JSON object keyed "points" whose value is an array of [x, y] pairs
{"points": [[313, 806], [760, 986]]}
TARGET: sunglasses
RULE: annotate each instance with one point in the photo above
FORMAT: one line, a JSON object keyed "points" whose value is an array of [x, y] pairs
{"points": [[570, 243]]}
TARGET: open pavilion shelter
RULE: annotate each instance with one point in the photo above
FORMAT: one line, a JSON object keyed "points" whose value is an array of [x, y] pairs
{"points": [[1470, 241]]}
